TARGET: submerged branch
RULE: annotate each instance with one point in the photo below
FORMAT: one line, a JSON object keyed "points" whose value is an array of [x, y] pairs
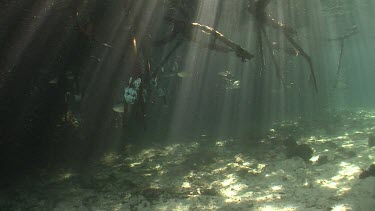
{"points": [[262, 4], [166, 39], [186, 28], [257, 9], [88, 31], [260, 48], [240, 52], [306, 56], [280, 25], [353, 31], [339, 63], [166, 58], [277, 67]]}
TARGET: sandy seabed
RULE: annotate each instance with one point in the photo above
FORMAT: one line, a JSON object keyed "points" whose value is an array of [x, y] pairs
{"points": [[207, 174]]}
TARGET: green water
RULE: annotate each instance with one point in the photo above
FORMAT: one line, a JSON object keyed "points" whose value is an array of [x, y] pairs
{"points": [[187, 105]]}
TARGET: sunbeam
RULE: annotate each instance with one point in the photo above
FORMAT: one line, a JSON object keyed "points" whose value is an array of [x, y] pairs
{"points": [[187, 105]]}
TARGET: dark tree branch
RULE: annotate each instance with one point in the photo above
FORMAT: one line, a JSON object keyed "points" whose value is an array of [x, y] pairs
{"points": [[342, 42], [185, 29], [306, 56], [257, 9], [166, 58], [277, 67]]}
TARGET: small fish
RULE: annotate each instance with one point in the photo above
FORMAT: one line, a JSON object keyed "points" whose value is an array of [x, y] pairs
{"points": [[291, 51], [290, 85], [96, 58], [341, 85], [53, 81], [184, 74], [69, 75], [275, 45], [78, 98], [233, 85], [225, 74], [118, 108], [106, 45], [169, 75], [236, 84]]}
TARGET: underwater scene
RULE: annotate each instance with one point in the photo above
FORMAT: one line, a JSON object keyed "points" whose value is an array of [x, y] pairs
{"points": [[187, 105]]}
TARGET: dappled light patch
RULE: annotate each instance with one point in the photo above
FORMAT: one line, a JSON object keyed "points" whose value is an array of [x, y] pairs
{"points": [[187, 105], [109, 159], [223, 174], [271, 208]]}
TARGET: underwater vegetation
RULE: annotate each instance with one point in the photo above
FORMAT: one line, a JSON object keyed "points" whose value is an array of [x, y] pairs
{"points": [[187, 105]]}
